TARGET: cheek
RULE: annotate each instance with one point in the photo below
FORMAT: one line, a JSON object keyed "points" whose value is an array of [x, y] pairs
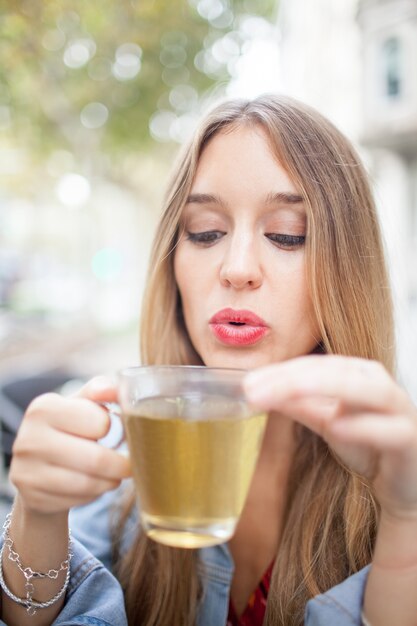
{"points": [[181, 273], [188, 278], [306, 315], [190, 287], [192, 273], [178, 267], [294, 302], [302, 300]]}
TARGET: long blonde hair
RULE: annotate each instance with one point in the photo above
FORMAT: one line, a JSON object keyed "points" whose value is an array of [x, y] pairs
{"points": [[331, 515]]}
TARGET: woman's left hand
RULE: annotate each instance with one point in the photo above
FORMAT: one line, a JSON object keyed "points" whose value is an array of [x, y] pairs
{"points": [[359, 410]]}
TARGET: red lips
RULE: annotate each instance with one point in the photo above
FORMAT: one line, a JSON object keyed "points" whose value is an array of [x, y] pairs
{"points": [[238, 327]]}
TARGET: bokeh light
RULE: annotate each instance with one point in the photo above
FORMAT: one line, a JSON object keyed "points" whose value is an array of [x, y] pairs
{"points": [[107, 264], [73, 190], [128, 61], [94, 115], [78, 52], [53, 40]]}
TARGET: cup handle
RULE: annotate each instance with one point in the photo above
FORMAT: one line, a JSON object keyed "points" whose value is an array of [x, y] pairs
{"points": [[114, 412]]}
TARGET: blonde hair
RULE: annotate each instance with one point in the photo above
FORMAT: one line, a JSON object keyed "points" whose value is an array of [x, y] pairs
{"points": [[331, 515]]}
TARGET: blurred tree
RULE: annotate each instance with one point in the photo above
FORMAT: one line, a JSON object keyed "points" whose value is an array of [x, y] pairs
{"points": [[76, 75]]}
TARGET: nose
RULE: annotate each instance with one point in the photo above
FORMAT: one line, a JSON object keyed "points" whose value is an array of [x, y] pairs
{"points": [[241, 265]]}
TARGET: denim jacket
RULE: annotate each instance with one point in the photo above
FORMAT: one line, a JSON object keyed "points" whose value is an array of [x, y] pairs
{"points": [[95, 597]]}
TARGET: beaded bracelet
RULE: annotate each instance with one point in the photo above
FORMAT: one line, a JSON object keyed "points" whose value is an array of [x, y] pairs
{"points": [[29, 603]]}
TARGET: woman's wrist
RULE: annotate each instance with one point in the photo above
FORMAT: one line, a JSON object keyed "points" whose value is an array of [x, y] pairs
{"points": [[396, 548], [35, 565], [25, 516], [40, 539], [390, 589], [30, 575]]}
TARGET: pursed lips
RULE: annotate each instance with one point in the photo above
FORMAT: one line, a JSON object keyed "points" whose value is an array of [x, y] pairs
{"points": [[238, 327]]}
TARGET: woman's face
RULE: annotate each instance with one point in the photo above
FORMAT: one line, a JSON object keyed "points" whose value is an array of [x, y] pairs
{"points": [[240, 261]]}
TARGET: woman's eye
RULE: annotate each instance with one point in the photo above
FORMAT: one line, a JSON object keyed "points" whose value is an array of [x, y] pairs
{"points": [[207, 237], [287, 241]]}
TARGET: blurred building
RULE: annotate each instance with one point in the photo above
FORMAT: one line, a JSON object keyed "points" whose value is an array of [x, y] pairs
{"points": [[356, 62]]}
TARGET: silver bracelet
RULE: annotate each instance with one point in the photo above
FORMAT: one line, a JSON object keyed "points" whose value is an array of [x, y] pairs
{"points": [[29, 603]]}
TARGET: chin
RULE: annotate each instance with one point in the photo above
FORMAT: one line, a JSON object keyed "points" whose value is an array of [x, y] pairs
{"points": [[240, 359]]}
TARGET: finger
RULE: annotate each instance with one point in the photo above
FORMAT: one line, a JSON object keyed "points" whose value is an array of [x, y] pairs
{"points": [[71, 452], [50, 503], [325, 407], [99, 389], [381, 433], [312, 412], [357, 382], [60, 481], [77, 416]]}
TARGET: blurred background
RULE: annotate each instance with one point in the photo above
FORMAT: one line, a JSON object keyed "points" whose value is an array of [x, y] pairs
{"points": [[95, 98]]}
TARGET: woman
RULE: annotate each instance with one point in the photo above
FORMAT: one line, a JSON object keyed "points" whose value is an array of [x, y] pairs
{"points": [[268, 224]]}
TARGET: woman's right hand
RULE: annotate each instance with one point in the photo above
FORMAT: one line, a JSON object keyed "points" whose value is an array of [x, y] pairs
{"points": [[57, 462]]}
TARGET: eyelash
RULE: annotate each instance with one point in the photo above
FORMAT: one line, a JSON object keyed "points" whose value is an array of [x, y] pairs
{"points": [[288, 241], [207, 237], [211, 236]]}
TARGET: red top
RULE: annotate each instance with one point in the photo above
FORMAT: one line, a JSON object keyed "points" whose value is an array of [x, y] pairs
{"points": [[254, 613]]}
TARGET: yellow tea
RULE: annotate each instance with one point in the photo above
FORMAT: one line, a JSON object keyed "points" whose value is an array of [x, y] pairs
{"points": [[192, 474]]}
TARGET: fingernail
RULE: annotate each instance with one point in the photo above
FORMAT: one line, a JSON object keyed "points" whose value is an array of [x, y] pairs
{"points": [[255, 393], [249, 387], [252, 380], [99, 383]]}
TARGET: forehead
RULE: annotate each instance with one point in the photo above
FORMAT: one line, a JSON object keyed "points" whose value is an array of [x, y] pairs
{"points": [[242, 154], [239, 170]]}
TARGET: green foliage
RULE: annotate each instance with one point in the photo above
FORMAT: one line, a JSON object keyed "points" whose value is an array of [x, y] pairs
{"points": [[58, 57]]}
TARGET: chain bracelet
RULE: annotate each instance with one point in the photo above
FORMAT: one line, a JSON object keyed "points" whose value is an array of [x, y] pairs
{"points": [[29, 603]]}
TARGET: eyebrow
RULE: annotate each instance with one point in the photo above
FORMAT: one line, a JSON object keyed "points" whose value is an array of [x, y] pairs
{"points": [[280, 197], [284, 197], [203, 198]]}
